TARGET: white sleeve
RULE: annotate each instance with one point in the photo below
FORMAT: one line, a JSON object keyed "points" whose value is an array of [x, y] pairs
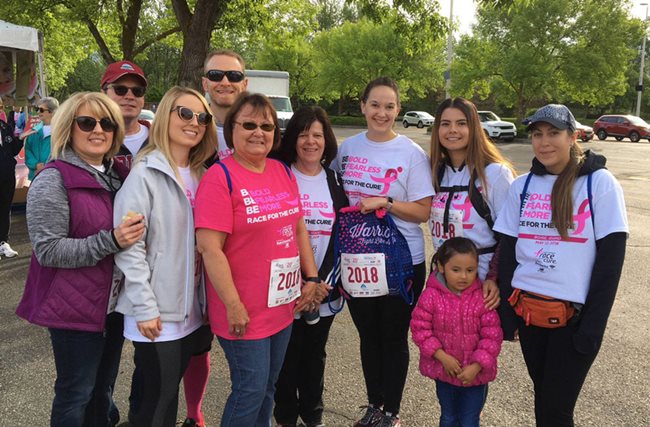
{"points": [[499, 178], [610, 215], [419, 183], [507, 221]]}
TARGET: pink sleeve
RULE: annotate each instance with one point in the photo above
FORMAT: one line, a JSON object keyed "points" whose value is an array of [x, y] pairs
{"points": [[422, 325], [213, 208], [489, 345]]}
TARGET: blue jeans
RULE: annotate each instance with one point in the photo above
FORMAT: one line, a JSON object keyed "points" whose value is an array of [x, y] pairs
{"points": [[460, 406], [254, 369], [87, 364]]}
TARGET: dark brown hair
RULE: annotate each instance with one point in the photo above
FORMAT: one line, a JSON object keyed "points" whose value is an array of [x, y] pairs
{"points": [[453, 246], [302, 121], [380, 81], [480, 150]]}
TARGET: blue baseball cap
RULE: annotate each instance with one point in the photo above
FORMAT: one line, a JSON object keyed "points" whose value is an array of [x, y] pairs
{"points": [[557, 115]]}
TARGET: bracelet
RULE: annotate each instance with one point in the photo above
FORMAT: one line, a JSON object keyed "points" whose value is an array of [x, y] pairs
{"points": [[389, 204], [314, 279]]}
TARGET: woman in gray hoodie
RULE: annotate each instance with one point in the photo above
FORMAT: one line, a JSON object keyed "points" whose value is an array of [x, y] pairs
{"points": [[163, 299]]}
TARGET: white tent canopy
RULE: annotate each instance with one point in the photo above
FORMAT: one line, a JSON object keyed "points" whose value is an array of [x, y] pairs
{"points": [[18, 37]]}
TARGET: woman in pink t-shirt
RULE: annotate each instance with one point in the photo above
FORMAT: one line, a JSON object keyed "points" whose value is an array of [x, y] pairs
{"points": [[257, 254]]}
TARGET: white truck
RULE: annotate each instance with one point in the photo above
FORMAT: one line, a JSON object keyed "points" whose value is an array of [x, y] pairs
{"points": [[275, 85], [496, 128]]}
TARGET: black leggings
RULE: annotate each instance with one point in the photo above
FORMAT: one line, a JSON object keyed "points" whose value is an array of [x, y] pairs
{"points": [[161, 366], [558, 372], [383, 325]]}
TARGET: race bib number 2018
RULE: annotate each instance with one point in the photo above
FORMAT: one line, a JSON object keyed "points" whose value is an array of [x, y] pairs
{"points": [[364, 275], [284, 283]]}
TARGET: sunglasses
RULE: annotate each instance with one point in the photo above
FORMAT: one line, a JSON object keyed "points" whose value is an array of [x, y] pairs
{"points": [[217, 76], [186, 114], [266, 127], [88, 124], [120, 90], [43, 110]]}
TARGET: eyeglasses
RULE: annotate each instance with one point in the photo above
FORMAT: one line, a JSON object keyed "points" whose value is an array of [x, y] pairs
{"points": [[88, 124], [43, 110], [120, 90], [266, 127], [186, 114], [217, 75]]}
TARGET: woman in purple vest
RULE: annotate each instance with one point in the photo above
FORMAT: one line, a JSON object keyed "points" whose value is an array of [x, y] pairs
{"points": [[72, 282]]}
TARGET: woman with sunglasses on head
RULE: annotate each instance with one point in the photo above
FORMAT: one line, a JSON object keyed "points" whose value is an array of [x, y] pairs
{"points": [[70, 286], [256, 251], [564, 230], [163, 299], [309, 145], [383, 170], [37, 145]]}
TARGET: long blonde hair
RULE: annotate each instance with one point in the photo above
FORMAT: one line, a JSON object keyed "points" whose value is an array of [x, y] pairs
{"points": [[562, 193], [159, 136], [480, 151], [100, 105]]}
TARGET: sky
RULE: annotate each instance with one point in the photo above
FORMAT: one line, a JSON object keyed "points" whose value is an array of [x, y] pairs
{"points": [[464, 11]]}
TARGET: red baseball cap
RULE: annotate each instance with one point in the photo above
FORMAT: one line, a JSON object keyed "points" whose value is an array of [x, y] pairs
{"points": [[117, 70]]}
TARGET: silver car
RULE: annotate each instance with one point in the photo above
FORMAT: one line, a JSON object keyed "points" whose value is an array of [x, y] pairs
{"points": [[418, 118]]}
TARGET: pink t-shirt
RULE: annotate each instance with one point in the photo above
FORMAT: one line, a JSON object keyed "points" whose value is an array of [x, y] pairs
{"points": [[260, 216]]}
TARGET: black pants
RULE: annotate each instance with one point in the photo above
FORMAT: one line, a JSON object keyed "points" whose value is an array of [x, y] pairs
{"points": [[383, 325], [299, 389], [7, 190], [558, 372], [161, 366]]}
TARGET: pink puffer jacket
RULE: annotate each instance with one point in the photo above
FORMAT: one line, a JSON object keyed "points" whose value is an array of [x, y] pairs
{"points": [[461, 326]]}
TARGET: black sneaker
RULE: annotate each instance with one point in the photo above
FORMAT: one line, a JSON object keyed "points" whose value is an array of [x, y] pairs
{"points": [[189, 422], [388, 421], [370, 418]]}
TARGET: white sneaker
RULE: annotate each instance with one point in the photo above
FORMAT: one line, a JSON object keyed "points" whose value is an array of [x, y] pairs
{"points": [[6, 250]]}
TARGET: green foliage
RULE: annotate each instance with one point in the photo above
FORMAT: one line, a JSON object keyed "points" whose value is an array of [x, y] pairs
{"points": [[348, 121], [539, 50], [350, 56]]}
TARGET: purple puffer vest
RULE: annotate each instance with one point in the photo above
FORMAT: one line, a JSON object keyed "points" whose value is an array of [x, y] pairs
{"points": [[75, 298]]}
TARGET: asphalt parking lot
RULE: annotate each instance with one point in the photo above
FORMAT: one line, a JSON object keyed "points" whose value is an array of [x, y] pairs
{"points": [[617, 391]]}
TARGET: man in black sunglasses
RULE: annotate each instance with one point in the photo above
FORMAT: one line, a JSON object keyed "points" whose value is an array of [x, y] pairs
{"points": [[125, 83], [223, 80]]}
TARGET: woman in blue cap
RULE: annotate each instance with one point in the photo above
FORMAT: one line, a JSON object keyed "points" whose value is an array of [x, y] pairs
{"points": [[564, 228]]}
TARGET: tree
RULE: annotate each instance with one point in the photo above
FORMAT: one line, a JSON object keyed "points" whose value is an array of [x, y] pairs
{"points": [[538, 50], [348, 57]]}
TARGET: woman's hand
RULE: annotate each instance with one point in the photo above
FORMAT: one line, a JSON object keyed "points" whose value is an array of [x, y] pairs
{"points": [[491, 297], [371, 204], [26, 134], [150, 329], [468, 373], [129, 231], [311, 295], [238, 319]]}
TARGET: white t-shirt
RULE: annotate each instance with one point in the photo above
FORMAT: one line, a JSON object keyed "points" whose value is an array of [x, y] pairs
{"points": [[549, 265], [47, 131], [223, 151], [398, 168], [464, 221], [172, 331], [134, 141], [319, 216]]}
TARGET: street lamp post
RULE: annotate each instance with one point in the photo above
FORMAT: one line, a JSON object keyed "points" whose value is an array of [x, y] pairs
{"points": [[640, 87]]}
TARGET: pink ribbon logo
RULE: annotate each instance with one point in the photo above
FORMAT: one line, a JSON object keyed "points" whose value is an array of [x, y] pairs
{"points": [[581, 217], [389, 178]]}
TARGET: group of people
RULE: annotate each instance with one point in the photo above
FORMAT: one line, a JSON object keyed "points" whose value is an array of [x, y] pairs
{"points": [[210, 222]]}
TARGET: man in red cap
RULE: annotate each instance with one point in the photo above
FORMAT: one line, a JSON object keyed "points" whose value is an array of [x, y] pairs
{"points": [[124, 82]]}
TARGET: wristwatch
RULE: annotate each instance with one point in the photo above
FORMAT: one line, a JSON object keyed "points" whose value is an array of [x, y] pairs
{"points": [[389, 205]]}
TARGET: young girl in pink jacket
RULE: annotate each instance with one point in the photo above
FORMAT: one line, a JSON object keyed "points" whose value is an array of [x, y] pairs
{"points": [[459, 339]]}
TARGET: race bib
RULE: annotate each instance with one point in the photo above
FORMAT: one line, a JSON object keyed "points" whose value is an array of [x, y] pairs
{"points": [[284, 283], [364, 275], [438, 234], [116, 286]]}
